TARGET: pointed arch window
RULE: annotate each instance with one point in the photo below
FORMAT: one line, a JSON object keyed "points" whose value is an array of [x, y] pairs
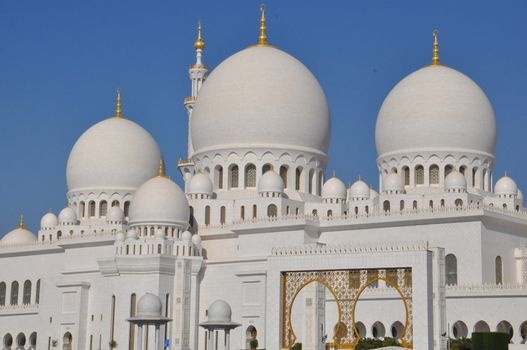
{"points": [[250, 175], [26, 296], [283, 175], [272, 211], [298, 175], [2, 293], [103, 208], [434, 175], [14, 293], [499, 270], [419, 175], [207, 215], [234, 176], [222, 215], [406, 175], [451, 269]]}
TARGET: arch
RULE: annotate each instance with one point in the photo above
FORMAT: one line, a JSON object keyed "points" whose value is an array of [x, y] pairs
{"points": [[386, 205], [481, 326], [406, 175], [255, 211], [431, 204], [360, 329], [250, 175], [448, 169], [442, 203], [218, 177], [33, 340], [523, 332], [298, 178], [458, 202], [116, 203], [419, 175], [2, 293], [250, 334], [474, 177], [20, 340], [498, 267], [37, 292], [414, 204], [401, 205], [396, 330], [242, 212], [234, 176], [126, 208], [14, 293], [314, 212], [103, 208], [451, 269], [505, 327], [459, 330], [67, 341], [26, 294], [283, 174], [222, 215], [272, 210], [8, 341], [207, 215], [330, 213], [377, 330], [463, 170], [82, 209], [266, 167], [434, 174], [91, 209], [311, 187]]}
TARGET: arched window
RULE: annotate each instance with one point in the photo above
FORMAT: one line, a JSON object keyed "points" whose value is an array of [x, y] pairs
{"points": [[378, 330], [434, 175], [91, 209], [207, 215], [115, 203], [442, 203], [242, 212], [448, 169], [14, 293], [356, 210], [191, 216], [8, 341], [103, 208], [406, 175], [2, 293], [250, 175], [414, 205], [82, 209], [283, 175], [458, 202], [33, 340], [504, 206], [37, 292], [431, 204], [126, 208], [298, 176], [222, 215], [311, 180], [459, 330], [367, 209], [386, 206], [218, 177], [481, 326], [233, 177], [255, 211], [451, 269], [499, 270], [314, 212], [419, 175], [26, 295], [330, 213], [272, 211], [474, 173], [20, 340], [394, 170], [266, 168], [397, 330], [401, 205], [463, 170]]}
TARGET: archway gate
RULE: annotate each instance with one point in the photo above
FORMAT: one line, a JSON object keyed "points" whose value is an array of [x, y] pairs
{"points": [[346, 287]]}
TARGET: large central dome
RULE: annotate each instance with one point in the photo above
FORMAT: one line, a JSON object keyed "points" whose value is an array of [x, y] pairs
{"points": [[261, 97]]}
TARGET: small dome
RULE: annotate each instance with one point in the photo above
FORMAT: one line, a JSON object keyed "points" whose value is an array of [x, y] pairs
{"points": [[120, 236], [360, 190], [393, 183], [131, 235], [196, 239], [455, 181], [334, 188], [186, 236], [199, 184], [506, 187], [219, 311], [159, 234], [149, 305], [271, 182], [67, 216], [49, 220], [19, 235], [115, 214], [160, 201]]}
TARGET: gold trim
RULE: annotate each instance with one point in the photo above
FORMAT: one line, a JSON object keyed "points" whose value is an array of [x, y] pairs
{"points": [[118, 111], [435, 51], [161, 171], [21, 224], [199, 44]]}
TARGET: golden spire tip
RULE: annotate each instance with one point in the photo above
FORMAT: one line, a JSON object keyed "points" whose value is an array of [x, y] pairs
{"points": [[118, 112], [161, 172], [334, 173], [21, 224], [435, 52], [199, 44], [262, 39]]}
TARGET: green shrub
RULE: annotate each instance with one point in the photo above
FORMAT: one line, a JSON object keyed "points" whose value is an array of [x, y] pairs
{"points": [[490, 341], [297, 346], [253, 343], [371, 343], [461, 344]]}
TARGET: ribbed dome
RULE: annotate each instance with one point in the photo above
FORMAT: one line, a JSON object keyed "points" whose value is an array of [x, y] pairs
{"points": [[506, 186], [334, 188], [149, 305], [220, 312], [455, 181], [200, 184], [67, 216], [159, 200], [271, 182], [115, 153], [434, 109], [261, 97], [360, 190], [49, 220], [393, 182]]}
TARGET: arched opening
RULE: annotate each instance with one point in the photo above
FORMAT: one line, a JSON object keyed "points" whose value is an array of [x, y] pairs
{"points": [[255, 211], [67, 341], [116, 203], [242, 212], [37, 292], [474, 177], [283, 175], [33, 340], [504, 206], [448, 169], [222, 215], [2, 293], [233, 176], [481, 326], [397, 330], [14, 293], [218, 177], [463, 170], [499, 270], [82, 209], [401, 205], [406, 175], [419, 175], [272, 211], [207, 215], [505, 327], [431, 204], [414, 205], [451, 269], [266, 168], [377, 330], [458, 202], [311, 181], [484, 185], [298, 178], [126, 208], [250, 175], [21, 340], [523, 332], [91, 209], [442, 203], [103, 208], [250, 334], [8, 341], [314, 212], [434, 175], [330, 213], [386, 206], [459, 330], [360, 329], [26, 294]]}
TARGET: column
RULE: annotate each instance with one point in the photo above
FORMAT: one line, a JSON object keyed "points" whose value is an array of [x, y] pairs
{"points": [[140, 337], [156, 339]]}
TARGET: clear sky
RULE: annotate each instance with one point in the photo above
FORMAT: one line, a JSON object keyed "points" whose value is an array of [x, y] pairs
{"points": [[61, 61]]}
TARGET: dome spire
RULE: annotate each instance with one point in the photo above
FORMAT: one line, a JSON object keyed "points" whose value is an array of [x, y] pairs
{"points": [[161, 172], [262, 39], [118, 112], [21, 224], [435, 52], [199, 44]]}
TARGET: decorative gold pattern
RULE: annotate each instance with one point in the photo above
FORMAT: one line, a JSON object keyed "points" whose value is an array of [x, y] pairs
{"points": [[161, 172], [21, 224], [262, 39], [199, 44], [435, 52], [346, 286], [118, 112]]}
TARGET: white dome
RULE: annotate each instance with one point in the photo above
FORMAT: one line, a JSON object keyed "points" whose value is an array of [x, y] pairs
{"points": [[455, 180], [436, 108], [160, 200], [115, 153], [49, 220], [115, 214], [131, 234], [520, 195], [334, 188], [186, 236], [360, 190], [120, 236], [393, 182], [19, 235], [261, 97], [199, 184], [67, 216], [220, 312], [271, 182], [196, 239], [506, 186], [149, 305]]}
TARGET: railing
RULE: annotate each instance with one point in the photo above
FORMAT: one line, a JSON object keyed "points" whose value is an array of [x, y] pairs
{"points": [[311, 249], [18, 307]]}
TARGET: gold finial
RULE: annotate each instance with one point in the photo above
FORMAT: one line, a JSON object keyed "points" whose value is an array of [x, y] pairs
{"points": [[199, 44], [161, 172], [334, 173], [118, 112], [21, 224], [435, 52], [262, 39], [506, 173]]}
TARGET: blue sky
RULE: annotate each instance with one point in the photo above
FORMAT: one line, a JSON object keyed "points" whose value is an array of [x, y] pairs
{"points": [[60, 62]]}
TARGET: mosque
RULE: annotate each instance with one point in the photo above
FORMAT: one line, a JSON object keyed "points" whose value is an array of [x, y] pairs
{"points": [[260, 245]]}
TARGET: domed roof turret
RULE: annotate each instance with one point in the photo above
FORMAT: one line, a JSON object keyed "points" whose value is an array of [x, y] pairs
{"points": [[186, 236], [115, 214], [271, 182], [67, 216], [393, 183], [160, 200], [149, 305], [455, 181], [220, 312], [131, 234], [49, 220], [19, 235], [506, 186], [200, 184], [334, 188], [196, 239], [359, 190]]}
